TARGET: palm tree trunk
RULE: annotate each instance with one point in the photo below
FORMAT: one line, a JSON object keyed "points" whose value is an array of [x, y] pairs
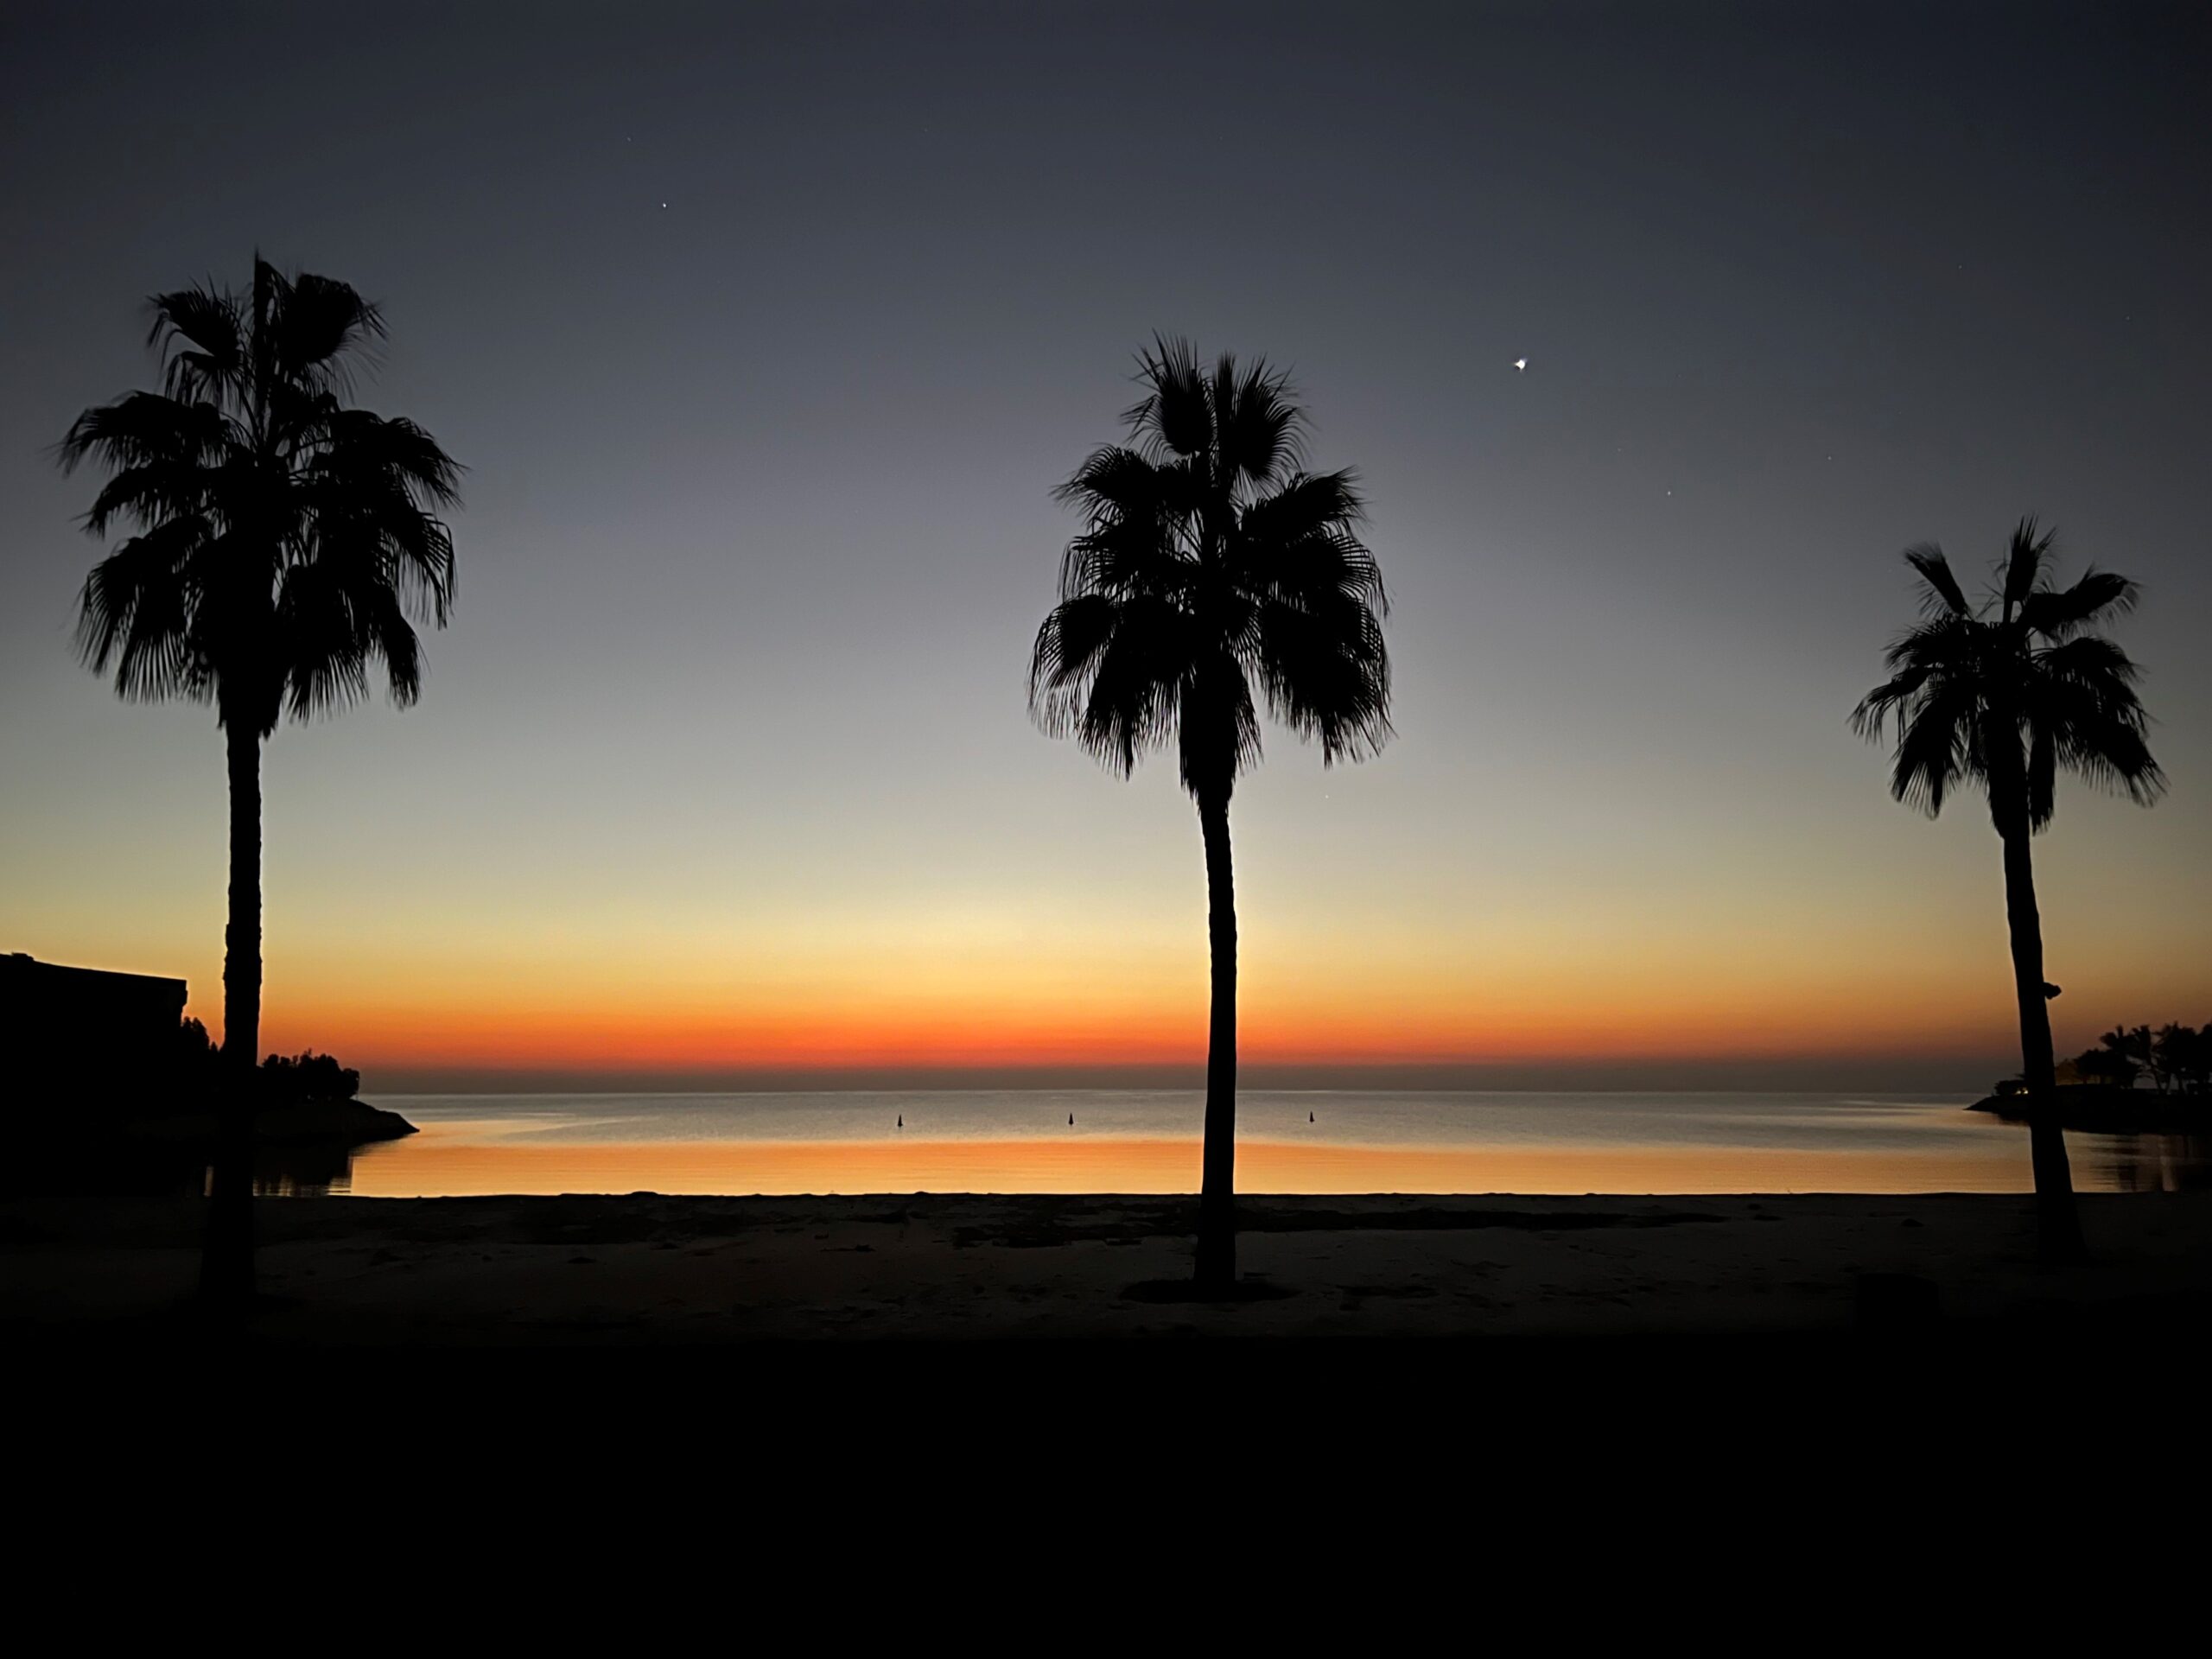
{"points": [[1216, 1264], [2058, 1222], [226, 1255]]}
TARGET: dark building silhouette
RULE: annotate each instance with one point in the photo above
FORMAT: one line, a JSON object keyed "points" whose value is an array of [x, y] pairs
{"points": [[79, 1033]]}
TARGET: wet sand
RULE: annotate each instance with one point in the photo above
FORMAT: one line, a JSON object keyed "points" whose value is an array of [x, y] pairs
{"points": [[647, 1270]]}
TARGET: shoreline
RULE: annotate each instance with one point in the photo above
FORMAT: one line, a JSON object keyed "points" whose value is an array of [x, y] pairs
{"points": [[2086, 1109], [647, 1270]]}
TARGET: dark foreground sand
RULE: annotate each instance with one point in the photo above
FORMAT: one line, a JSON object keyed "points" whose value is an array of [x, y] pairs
{"points": [[820, 1395], [650, 1270]]}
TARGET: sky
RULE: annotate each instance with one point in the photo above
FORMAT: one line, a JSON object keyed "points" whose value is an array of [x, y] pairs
{"points": [[765, 333]]}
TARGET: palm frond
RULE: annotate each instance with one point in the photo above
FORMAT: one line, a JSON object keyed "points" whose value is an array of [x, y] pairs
{"points": [[1940, 589], [1326, 673], [2025, 562], [136, 614], [338, 620], [143, 429], [2091, 660], [1301, 540], [327, 640], [1259, 428], [1306, 503], [319, 321], [1175, 417], [1935, 745], [1114, 481], [2060, 612], [2083, 694], [2110, 753], [1949, 645], [1068, 645], [361, 446], [210, 321], [1134, 691], [1136, 512]]}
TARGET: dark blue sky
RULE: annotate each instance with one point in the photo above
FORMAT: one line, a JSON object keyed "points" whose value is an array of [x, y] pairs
{"points": [[759, 523]]}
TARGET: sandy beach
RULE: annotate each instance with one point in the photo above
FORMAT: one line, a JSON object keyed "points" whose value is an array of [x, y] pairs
{"points": [[902, 1374], [672, 1271]]}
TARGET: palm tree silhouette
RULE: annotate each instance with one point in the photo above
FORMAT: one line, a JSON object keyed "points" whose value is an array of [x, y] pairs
{"points": [[283, 541], [1213, 573], [2004, 693]]}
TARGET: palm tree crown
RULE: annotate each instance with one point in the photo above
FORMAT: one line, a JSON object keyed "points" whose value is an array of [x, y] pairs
{"points": [[2007, 693], [283, 540], [1212, 574]]}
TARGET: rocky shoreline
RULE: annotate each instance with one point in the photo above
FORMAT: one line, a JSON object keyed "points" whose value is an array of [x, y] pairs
{"points": [[355, 1122], [132, 1148], [2101, 1108]]}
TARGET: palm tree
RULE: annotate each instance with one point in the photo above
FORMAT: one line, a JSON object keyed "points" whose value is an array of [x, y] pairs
{"points": [[2004, 694], [1213, 573], [2119, 1048], [2188, 1055], [283, 541], [2143, 1042], [2169, 1047]]}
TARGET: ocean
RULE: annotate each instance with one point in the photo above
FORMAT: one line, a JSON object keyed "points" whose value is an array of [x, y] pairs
{"points": [[1147, 1141]]}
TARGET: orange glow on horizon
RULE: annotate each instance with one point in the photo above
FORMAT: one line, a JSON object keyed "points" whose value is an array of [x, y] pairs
{"points": [[986, 1020], [677, 1041], [654, 979]]}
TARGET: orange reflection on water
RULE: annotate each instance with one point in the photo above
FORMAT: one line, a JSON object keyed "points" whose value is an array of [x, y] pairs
{"points": [[447, 1161]]}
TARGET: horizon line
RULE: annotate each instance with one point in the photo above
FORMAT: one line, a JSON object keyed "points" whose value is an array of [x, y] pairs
{"points": [[1949, 1072]]}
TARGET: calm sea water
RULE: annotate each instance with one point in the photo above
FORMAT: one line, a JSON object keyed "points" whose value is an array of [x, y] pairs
{"points": [[1140, 1140]]}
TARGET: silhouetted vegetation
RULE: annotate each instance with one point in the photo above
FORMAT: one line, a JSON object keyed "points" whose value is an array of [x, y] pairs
{"points": [[198, 1062], [304, 1075], [2176, 1059], [281, 544], [309, 1076], [1213, 574], [2006, 694]]}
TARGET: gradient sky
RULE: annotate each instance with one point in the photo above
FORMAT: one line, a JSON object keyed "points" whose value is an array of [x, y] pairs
{"points": [[765, 333]]}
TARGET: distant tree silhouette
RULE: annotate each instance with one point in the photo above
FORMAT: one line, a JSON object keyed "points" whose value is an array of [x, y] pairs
{"points": [[307, 1076], [2169, 1056], [283, 542], [199, 1069], [2153, 1052], [2140, 1044], [2189, 1056], [2004, 693], [2177, 1056], [2125, 1059], [198, 1062], [1213, 574], [2108, 1066]]}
